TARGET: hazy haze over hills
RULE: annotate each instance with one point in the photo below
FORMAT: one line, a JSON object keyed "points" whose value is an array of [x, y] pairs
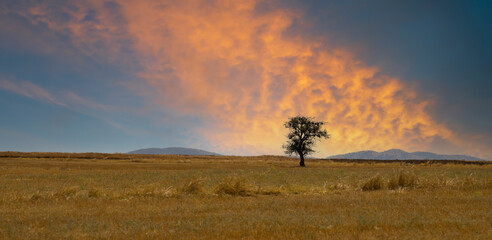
{"points": [[401, 155], [173, 151]]}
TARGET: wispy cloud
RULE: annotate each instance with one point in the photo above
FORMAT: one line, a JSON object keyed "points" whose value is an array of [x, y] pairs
{"points": [[30, 90], [69, 100], [77, 100]]}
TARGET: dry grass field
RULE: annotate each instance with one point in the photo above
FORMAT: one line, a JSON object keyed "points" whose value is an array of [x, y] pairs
{"points": [[119, 196]]}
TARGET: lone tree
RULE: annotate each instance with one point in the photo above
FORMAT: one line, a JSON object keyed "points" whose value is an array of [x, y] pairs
{"points": [[303, 133]]}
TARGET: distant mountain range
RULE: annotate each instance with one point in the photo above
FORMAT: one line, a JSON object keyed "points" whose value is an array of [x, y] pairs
{"points": [[173, 151], [398, 154]]}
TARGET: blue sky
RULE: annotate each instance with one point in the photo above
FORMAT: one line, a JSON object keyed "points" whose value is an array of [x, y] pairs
{"points": [[222, 76]]}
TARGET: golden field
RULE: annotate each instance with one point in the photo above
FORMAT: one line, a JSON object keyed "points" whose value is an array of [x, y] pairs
{"points": [[121, 196]]}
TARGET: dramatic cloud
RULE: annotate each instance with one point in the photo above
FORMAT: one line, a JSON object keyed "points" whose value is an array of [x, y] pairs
{"points": [[237, 66], [242, 68]]}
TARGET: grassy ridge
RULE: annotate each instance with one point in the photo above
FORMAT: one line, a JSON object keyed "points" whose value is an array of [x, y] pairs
{"points": [[55, 195], [126, 156]]}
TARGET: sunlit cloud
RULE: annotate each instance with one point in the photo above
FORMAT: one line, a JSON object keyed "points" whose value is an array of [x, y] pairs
{"points": [[243, 69], [239, 69], [94, 28]]}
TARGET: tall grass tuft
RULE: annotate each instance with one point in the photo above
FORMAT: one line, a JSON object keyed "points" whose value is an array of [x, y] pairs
{"points": [[94, 193], [234, 187], [402, 180], [375, 183], [67, 192], [194, 186], [35, 197]]}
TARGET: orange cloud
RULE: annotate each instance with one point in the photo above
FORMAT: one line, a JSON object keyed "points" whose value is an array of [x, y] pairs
{"points": [[245, 72], [95, 28], [238, 67]]}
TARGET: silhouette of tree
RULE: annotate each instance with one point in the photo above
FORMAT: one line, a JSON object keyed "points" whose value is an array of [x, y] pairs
{"points": [[303, 133]]}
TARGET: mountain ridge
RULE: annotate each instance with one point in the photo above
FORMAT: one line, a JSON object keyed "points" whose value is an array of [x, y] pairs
{"points": [[173, 151], [399, 154]]}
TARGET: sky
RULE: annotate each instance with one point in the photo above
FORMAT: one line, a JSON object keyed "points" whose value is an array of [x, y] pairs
{"points": [[224, 75]]}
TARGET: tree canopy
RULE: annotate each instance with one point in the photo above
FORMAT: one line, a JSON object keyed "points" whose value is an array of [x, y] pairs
{"points": [[303, 133]]}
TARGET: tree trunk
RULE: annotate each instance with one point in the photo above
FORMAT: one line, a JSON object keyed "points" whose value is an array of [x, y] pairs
{"points": [[301, 163]]}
